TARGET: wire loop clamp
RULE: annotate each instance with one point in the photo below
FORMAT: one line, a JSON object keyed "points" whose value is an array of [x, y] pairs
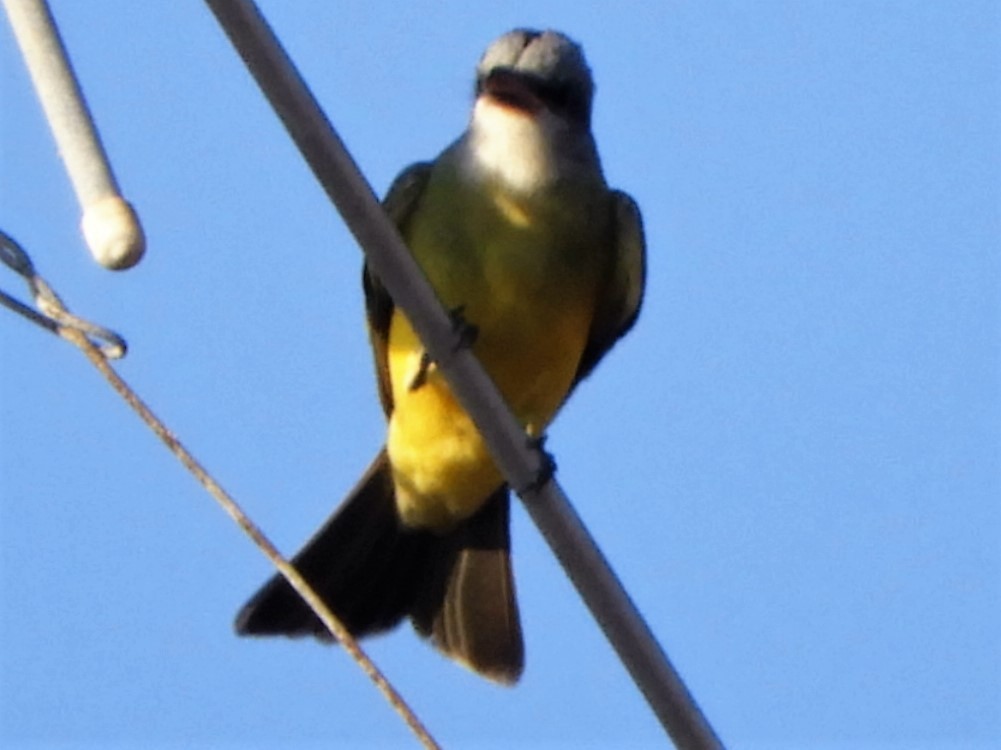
{"points": [[51, 314]]}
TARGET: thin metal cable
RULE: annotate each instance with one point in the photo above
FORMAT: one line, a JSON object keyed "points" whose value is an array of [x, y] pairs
{"points": [[52, 314], [520, 460], [54, 320]]}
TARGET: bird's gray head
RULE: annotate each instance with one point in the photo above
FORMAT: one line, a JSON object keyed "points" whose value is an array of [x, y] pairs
{"points": [[527, 69]]}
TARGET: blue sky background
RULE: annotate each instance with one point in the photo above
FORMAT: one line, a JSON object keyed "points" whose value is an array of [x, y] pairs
{"points": [[793, 462]]}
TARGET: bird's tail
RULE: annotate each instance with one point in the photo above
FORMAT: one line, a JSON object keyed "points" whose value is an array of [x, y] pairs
{"points": [[372, 572]]}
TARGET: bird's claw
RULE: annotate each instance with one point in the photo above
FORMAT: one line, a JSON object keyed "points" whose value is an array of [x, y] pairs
{"points": [[466, 332], [547, 466], [421, 376], [465, 337]]}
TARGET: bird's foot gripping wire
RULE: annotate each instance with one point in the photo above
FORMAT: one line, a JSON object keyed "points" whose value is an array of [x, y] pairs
{"points": [[465, 332], [546, 470], [465, 337]]}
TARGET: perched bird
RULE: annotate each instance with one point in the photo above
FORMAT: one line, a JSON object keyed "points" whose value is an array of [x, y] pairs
{"points": [[515, 227]]}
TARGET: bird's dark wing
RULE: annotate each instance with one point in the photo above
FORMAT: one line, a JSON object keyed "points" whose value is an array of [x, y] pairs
{"points": [[403, 196], [620, 300]]}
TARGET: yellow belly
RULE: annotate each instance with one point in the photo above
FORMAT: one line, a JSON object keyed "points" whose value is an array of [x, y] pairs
{"points": [[441, 466]]}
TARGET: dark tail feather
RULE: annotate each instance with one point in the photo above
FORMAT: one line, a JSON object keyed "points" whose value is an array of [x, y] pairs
{"points": [[361, 563], [372, 572], [469, 607]]}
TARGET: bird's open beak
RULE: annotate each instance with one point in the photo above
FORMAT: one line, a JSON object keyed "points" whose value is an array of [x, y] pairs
{"points": [[513, 90]]}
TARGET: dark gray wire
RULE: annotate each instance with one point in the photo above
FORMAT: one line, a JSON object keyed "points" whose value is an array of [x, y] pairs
{"points": [[520, 460]]}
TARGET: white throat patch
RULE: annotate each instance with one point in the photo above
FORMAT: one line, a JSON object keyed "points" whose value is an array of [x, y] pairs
{"points": [[515, 147]]}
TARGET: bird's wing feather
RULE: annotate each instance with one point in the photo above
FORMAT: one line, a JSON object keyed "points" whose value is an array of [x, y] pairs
{"points": [[401, 200], [621, 298]]}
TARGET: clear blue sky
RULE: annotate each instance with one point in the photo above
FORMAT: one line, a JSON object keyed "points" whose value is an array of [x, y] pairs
{"points": [[793, 462]]}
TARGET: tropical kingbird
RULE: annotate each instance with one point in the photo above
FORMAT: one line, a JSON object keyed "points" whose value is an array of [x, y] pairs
{"points": [[515, 227]]}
